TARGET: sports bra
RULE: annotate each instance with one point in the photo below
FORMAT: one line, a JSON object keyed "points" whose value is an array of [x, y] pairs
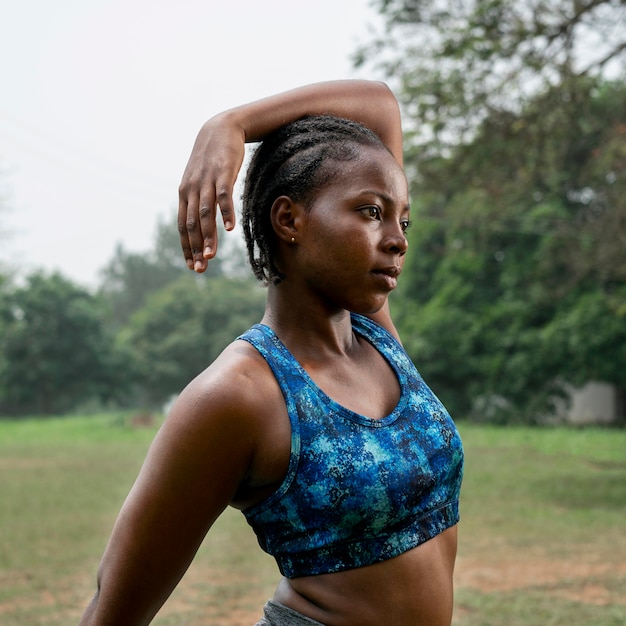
{"points": [[358, 490]]}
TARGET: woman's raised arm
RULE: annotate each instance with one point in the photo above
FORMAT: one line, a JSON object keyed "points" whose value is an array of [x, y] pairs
{"points": [[218, 152]]}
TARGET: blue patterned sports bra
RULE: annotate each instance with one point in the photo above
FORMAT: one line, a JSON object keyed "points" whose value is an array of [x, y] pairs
{"points": [[358, 490]]}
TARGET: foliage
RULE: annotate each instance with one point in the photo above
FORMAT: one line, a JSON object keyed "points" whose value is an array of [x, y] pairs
{"points": [[56, 349], [455, 62], [185, 325], [152, 326], [130, 277], [171, 322], [516, 278]]}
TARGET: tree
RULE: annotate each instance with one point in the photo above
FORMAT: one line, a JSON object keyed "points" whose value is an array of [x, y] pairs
{"points": [[130, 277], [6, 317], [456, 62], [56, 350], [184, 326], [516, 281]]}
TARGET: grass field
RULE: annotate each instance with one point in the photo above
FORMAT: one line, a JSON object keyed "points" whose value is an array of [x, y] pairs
{"points": [[542, 537]]}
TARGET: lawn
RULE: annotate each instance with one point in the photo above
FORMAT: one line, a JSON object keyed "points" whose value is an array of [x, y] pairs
{"points": [[542, 537]]}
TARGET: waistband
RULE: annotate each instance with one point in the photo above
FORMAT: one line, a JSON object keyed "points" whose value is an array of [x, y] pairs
{"points": [[276, 614]]}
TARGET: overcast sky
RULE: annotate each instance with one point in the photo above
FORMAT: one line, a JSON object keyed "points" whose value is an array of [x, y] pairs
{"points": [[102, 100]]}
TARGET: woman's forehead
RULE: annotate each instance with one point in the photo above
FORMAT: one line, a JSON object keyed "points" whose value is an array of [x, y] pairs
{"points": [[375, 171], [373, 163]]}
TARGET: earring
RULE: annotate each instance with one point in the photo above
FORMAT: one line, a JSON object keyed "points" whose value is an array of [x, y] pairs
{"points": [[293, 240]]}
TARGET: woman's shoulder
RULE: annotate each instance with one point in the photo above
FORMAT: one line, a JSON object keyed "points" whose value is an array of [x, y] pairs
{"points": [[236, 405], [238, 382], [231, 408]]}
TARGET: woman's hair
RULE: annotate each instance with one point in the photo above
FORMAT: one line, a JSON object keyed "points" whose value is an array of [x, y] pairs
{"points": [[296, 161]]}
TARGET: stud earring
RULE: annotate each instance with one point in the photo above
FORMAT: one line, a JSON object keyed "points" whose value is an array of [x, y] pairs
{"points": [[293, 240]]}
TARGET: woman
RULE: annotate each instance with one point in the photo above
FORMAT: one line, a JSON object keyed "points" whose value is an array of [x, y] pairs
{"points": [[314, 423]]}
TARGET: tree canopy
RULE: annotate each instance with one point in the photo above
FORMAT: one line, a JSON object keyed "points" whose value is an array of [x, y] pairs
{"points": [[184, 326], [56, 351], [516, 279], [148, 331], [515, 283], [456, 62]]}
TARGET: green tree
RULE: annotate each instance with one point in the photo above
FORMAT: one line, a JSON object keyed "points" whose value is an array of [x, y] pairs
{"points": [[6, 317], [456, 62], [130, 277], [56, 349], [184, 326], [516, 281]]}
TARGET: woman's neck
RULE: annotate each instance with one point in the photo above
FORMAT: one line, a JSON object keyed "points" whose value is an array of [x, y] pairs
{"points": [[307, 326]]}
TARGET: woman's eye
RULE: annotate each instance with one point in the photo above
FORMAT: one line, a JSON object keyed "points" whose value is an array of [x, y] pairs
{"points": [[372, 212], [405, 225]]}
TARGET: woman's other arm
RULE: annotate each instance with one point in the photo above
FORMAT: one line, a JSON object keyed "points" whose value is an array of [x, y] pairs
{"points": [[191, 473]]}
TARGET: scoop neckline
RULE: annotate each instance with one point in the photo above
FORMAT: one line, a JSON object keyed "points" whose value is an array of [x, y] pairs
{"points": [[336, 406]]}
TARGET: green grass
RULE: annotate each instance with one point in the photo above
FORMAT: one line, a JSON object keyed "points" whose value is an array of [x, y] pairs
{"points": [[542, 527], [542, 536], [61, 482]]}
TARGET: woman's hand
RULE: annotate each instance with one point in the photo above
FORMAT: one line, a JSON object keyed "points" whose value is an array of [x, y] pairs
{"points": [[207, 183]]}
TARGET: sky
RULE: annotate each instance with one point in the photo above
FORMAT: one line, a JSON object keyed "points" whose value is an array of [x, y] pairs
{"points": [[101, 101]]}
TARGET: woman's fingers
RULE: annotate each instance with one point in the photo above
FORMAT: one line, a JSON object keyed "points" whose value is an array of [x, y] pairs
{"points": [[207, 228], [221, 196], [197, 226], [208, 182], [225, 202], [182, 231]]}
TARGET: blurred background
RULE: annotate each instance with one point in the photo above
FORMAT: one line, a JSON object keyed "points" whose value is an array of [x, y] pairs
{"points": [[102, 100], [512, 302]]}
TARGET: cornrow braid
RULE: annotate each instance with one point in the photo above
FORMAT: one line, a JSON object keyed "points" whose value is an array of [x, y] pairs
{"points": [[294, 161]]}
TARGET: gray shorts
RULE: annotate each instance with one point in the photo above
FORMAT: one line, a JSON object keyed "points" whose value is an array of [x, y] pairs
{"points": [[276, 614]]}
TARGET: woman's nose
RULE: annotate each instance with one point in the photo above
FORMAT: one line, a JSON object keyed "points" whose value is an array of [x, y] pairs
{"points": [[395, 240]]}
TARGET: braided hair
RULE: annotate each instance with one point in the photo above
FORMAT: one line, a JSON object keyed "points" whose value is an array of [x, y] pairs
{"points": [[296, 161]]}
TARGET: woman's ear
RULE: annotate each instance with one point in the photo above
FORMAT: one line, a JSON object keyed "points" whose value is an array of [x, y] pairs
{"points": [[287, 219]]}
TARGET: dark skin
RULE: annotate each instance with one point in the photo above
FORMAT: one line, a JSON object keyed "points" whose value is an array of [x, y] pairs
{"points": [[227, 439]]}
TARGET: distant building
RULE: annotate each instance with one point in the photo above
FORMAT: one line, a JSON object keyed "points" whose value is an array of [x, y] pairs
{"points": [[594, 403]]}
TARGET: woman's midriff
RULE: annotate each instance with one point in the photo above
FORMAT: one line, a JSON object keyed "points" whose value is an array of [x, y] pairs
{"points": [[412, 589]]}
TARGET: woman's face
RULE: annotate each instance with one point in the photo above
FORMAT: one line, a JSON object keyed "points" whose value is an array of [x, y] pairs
{"points": [[351, 249]]}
